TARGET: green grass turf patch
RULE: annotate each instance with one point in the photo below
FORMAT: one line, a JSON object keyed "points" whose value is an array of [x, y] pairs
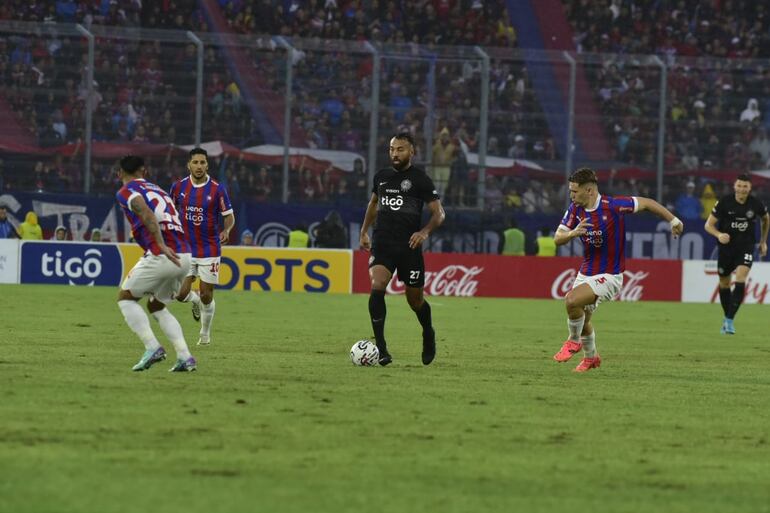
{"points": [[278, 420]]}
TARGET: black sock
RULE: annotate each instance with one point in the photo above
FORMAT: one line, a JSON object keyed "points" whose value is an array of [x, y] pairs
{"points": [[423, 315], [737, 299], [725, 296], [377, 313]]}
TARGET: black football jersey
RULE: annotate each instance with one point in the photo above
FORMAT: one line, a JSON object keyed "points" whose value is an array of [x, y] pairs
{"points": [[739, 220], [401, 196]]}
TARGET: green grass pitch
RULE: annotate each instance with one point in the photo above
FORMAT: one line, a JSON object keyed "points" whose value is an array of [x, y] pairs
{"points": [[277, 419]]}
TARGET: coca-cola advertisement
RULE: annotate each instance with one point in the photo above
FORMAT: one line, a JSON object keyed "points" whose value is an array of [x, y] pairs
{"points": [[700, 282], [484, 275]]}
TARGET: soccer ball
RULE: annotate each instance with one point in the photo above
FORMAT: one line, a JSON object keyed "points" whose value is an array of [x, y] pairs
{"points": [[364, 353]]}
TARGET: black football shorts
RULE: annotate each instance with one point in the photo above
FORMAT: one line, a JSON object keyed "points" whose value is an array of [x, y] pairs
{"points": [[730, 258], [409, 262]]}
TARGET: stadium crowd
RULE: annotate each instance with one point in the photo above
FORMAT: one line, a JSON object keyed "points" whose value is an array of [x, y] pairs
{"points": [[718, 103], [718, 115], [138, 100]]}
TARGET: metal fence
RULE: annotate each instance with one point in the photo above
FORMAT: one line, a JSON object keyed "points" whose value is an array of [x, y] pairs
{"points": [[497, 128]]}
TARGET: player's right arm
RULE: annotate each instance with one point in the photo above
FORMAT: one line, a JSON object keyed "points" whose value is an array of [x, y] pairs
{"points": [[147, 216], [369, 218], [571, 226], [711, 227], [174, 194], [563, 234]]}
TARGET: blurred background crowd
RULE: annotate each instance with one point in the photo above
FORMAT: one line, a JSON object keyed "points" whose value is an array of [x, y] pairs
{"points": [[717, 110]]}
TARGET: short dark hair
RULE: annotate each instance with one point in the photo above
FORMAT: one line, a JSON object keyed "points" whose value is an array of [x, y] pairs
{"points": [[744, 177], [583, 175], [131, 164], [198, 151], [406, 136]]}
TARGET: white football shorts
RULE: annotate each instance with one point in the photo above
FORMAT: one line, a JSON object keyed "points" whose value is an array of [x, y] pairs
{"points": [[605, 286], [207, 269], [157, 276]]}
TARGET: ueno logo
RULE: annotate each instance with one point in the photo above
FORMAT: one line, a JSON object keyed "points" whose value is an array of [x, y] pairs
{"points": [[452, 280], [194, 214], [632, 289], [394, 203]]}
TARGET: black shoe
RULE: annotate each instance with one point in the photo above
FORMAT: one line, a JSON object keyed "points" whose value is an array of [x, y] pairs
{"points": [[428, 346], [385, 357]]}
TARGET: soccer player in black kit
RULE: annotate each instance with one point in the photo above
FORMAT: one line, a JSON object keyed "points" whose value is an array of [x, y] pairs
{"points": [[395, 209], [733, 222]]}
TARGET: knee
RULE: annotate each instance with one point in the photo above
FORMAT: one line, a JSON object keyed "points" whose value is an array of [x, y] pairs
{"points": [[415, 303], [153, 305], [571, 301], [379, 284], [124, 295], [206, 297]]}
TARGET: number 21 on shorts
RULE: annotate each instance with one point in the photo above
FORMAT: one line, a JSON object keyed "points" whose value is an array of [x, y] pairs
{"points": [[214, 268]]}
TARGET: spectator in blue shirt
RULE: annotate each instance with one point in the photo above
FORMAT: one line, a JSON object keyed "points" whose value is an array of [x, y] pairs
{"points": [[687, 205], [7, 231]]}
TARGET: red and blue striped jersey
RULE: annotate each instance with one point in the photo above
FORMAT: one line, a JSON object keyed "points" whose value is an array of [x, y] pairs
{"points": [[604, 244], [165, 212], [201, 206]]}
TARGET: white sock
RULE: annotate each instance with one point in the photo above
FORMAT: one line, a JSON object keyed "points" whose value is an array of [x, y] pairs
{"points": [[173, 331], [192, 297], [207, 315], [589, 345], [575, 328], [139, 323]]}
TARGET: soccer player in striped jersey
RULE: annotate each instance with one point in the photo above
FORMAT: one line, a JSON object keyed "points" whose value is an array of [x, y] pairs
{"points": [[201, 200], [599, 223], [156, 227]]}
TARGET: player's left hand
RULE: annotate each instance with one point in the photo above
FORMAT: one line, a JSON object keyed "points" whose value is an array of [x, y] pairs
{"points": [[224, 237], [171, 255], [677, 229], [763, 249], [417, 239]]}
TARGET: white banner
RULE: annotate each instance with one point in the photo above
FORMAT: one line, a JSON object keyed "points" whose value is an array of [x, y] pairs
{"points": [[700, 282], [9, 260]]}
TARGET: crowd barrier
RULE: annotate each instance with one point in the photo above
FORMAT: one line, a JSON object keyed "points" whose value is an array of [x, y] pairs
{"points": [[346, 271]]}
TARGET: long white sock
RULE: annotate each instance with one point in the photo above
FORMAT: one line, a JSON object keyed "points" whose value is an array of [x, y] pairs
{"points": [[192, 297], [139, 323], [576, 327], [589, 345], [207, 316], [173, 331]]}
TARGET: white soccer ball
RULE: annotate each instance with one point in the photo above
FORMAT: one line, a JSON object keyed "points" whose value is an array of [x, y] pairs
{"points": [[364, 353]]}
